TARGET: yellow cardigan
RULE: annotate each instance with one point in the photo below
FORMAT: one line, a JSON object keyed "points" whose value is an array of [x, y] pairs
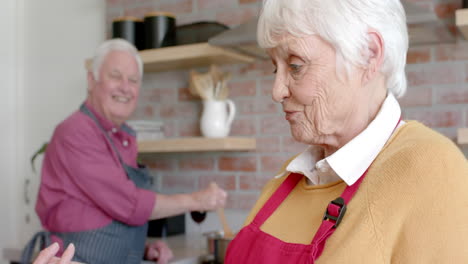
{"points": [[412, 207]]}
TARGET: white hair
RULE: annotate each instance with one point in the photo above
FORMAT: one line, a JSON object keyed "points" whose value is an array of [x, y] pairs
{"points": [[345, 25], [116, 44]]}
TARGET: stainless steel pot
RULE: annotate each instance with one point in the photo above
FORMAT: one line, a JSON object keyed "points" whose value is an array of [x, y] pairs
{"points": [[217, 244]]}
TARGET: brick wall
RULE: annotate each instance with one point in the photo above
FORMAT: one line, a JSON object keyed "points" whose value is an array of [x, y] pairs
{"points": [[437, 96]]}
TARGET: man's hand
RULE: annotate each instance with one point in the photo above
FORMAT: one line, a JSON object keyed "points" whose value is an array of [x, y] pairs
{"points": [[210, 198], [158, 251]]}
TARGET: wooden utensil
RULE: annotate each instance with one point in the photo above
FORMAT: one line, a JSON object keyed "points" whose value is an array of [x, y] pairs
{"points": [[201, 85], [227, 230]]}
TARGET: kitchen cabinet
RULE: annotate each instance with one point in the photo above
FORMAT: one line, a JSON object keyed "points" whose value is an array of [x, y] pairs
{"points": [[186, 57], [461, 20], [462, 138], [197, 144]]}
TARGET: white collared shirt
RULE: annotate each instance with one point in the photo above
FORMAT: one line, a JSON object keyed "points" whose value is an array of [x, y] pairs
{"points": [[350, 161]]}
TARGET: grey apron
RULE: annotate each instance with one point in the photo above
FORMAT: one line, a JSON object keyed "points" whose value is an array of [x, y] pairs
{"points": [[116, 242]]}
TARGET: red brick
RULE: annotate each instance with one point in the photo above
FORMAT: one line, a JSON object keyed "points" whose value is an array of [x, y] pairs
{"points": [[242, 88], [416, 96], [249, 1], [268, 144], [112, 3], [290, 145], [258, 105], [243, 127], [131, 3], [185, 95], [157, 163], [170, 129], [196, 164], [190, 110], [189, 129], [466, 119], [180, 110], [452, 52], [149, 111], [158, 95], [273, 164], [253, 181], [227, 182], [446, 10], [215, 4], [435, 74], [275, 125], [259, 67], [168, 110], [176, 6], [237, 163], [418, 55], [178, 181], [237, 16], [452, 96], [435, 118], [451, 132], [243, 201], [140, 11], [266, 87]]}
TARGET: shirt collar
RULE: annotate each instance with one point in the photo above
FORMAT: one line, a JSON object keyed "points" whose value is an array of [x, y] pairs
{"points": [[345, 164], [107, 124]]}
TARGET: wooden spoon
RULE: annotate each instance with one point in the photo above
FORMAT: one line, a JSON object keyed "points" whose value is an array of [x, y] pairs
{"points": [[227, 230]]}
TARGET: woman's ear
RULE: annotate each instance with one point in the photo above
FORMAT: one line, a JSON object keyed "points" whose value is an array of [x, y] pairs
{"points": [[375, 54]]}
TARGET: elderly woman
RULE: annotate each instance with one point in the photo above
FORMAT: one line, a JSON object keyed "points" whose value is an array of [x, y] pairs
{"points": [[370, 188], [93, 193]]}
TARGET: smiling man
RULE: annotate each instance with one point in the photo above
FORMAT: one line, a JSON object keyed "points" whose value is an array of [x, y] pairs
{"points": [[93, 193]]}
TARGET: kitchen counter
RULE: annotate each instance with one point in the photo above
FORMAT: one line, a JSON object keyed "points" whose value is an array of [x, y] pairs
{"points": [[187, 249]]}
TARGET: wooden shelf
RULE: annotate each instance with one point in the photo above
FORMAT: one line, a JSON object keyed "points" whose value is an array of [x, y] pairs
{"points": [[197, 144], [462, 136], [187, 56], [461, 20]]}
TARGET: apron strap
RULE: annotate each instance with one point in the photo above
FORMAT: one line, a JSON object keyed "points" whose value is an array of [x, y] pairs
{"points": [[334, 213], [43, 238], [87, 112], [277, 198]]}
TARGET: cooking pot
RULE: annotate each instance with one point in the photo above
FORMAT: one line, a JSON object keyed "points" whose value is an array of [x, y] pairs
{"points": [[217, 244]]}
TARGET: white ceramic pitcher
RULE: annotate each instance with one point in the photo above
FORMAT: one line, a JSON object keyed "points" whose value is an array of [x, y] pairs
{"points": [[217, 117]]}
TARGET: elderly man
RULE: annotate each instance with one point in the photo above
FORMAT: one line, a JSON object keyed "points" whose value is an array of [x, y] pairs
{"points": [[93, 193]]}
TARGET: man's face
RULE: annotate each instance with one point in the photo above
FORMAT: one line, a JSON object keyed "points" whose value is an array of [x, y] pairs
{"points": [[115, 94]]}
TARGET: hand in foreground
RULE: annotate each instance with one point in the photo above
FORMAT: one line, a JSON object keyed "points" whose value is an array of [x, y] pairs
{"points": [[210, 198], [158, 251], [47, 255]]}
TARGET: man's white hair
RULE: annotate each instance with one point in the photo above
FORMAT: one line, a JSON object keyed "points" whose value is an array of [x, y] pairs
{"points": [[345, 25], [114, 45]]}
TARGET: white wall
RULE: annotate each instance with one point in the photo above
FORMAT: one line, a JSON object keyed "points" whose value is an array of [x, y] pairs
{"points": [[8, 184], [45, 82]]}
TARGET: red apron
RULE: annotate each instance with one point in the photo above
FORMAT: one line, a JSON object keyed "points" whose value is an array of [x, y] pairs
{"points": [[253, 246]]}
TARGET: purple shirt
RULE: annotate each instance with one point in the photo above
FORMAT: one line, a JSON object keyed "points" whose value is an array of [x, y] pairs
{"points": [[83, 185]]}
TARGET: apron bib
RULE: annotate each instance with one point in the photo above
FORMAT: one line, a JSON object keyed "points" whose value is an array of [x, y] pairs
{"points": [[114, 243], [253, 246]]}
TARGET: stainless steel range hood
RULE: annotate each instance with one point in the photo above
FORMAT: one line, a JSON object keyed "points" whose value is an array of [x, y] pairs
{"points": [[423, 27]]}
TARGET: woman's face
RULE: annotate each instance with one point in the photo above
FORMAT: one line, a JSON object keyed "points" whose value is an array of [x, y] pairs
{"points": [[317, 102]]}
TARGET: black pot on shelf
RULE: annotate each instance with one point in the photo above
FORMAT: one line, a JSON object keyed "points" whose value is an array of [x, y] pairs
{"points": [[160, 30], [130, 29], [465, 4]]}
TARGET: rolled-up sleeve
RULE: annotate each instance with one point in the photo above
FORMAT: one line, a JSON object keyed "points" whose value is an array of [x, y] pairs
{"points": [[93, 167]]}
